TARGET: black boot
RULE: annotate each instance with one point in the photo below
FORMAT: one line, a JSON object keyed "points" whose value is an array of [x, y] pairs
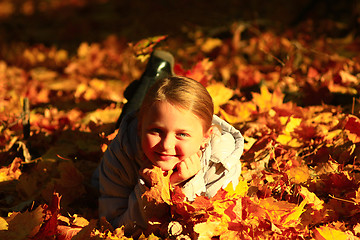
{"points": [[160, 65]]}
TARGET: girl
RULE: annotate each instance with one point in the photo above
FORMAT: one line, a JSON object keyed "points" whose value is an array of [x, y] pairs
{"points": [[174, 130]]}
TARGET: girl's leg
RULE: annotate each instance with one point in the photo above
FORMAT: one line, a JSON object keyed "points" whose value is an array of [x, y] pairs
{"points": [[160, 65]]}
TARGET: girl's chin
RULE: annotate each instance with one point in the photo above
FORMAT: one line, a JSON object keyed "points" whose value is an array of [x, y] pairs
{"points": [[166, 167]]}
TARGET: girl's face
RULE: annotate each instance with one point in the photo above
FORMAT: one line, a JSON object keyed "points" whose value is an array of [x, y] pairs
{"points": [[170, 134]]}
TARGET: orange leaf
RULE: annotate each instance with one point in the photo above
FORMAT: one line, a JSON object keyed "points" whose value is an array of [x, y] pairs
{"points": [[266, 100], [298, 174], [145, 46], [207, 230], [281, 213], [329, 233], [199, 72], [157, 198], [237, 112]]}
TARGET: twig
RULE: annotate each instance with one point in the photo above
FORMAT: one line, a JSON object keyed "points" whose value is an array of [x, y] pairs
{"points": [[26, 118], [344, 200]]}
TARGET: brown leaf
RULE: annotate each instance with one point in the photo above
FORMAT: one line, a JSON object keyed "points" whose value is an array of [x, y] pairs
{"points": [[23, 225]]}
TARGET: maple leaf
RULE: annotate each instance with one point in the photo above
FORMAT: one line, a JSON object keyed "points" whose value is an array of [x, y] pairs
{"points": [[311, 198], [352, 126], [200, 72], [208, 230], [157, 198], [190, 212], [281, 213], [247, 76], [329, 233], [67, 232], [240, 190], [144, 47], [23, 225], [12, 172], [210, 44], [266, 100], [49, 227], [286, 138], [299, 174], [237, 112], [220, 95], [70, 184]]}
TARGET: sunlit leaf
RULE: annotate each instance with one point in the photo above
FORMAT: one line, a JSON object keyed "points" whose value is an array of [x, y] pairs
{"points": [[220, 95], [210, 44], [208, 230], [11, 172], [298, 174], [266, 100], [237, 112], [329, 233], [311, 198]]}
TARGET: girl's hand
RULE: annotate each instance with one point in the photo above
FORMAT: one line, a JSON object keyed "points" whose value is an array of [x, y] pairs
{"points": [[186, 169], [145, 172]]}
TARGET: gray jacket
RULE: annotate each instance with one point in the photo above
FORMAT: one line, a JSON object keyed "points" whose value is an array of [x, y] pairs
{"points": [[121, 187]]}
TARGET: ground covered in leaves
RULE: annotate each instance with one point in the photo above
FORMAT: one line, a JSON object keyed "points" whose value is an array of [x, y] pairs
{"points": [[294, 97]]}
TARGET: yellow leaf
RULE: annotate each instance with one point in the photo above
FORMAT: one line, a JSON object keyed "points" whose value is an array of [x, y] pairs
{"points": [[329, 233], [332, 134], [102, 116], [11, 172], [347, 77], [83, 50], [239, 191], [207, 230], [240, 111], [286, 138], [294, 215], [298, 174], [220, 95], [283, 139], [3, 224], [311, 198], [210, 44], [61, 56], [266, 100], [292, 124], [97, 84]]}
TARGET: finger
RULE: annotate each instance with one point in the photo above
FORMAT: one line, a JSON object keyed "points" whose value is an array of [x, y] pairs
{"points": [[199, 153]]}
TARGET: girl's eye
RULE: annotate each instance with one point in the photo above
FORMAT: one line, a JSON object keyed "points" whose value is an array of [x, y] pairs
{"points": [[183, 135], [155, 131]]}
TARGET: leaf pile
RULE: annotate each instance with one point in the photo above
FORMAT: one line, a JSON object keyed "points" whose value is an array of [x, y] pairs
{"points": [[294, 98]]}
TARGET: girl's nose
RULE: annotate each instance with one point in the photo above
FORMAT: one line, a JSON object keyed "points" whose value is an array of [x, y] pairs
{"points": [[168, 142]]}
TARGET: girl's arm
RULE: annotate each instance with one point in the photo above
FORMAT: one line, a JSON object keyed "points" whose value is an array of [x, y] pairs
{"points": [[186, 169], [120, 190]]}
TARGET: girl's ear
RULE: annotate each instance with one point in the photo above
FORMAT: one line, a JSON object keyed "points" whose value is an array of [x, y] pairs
{"points": [[207, 137]]}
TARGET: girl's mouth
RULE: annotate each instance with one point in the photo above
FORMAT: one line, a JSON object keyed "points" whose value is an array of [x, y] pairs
{"points": [[165, 157]]}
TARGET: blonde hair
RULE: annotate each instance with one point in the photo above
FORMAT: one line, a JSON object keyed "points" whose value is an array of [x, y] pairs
{"points": [[184, 92]]}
